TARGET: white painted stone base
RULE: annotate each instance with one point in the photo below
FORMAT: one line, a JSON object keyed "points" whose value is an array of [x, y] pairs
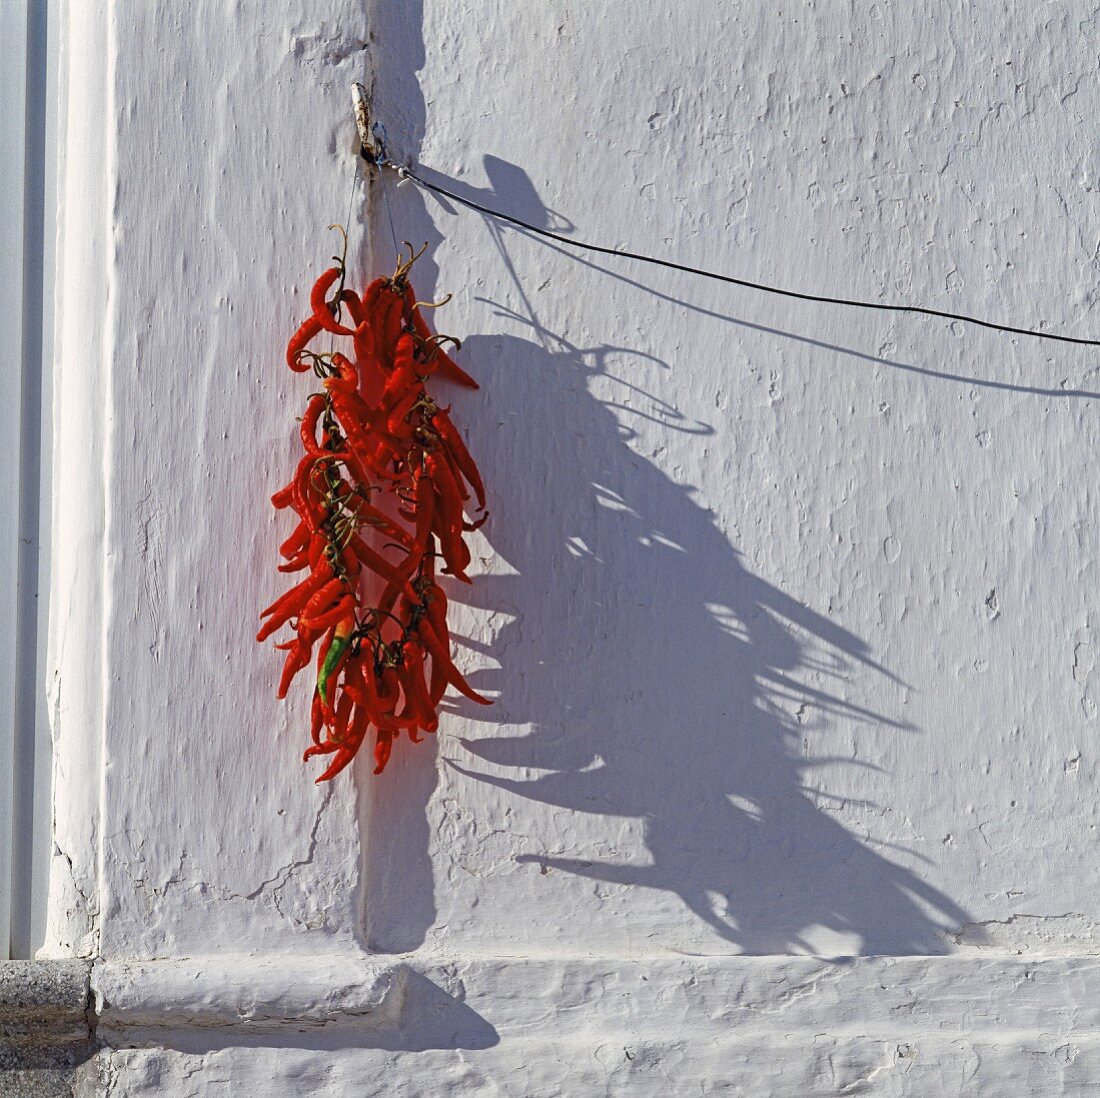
{"points": [[610, 1026]]}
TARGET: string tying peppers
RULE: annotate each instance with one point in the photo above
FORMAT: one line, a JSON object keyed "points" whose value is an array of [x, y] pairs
{"points": [[382, 664]]}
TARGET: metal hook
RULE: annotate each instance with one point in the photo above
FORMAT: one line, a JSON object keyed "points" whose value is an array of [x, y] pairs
{"points": [[381, 156], [362, 123]]}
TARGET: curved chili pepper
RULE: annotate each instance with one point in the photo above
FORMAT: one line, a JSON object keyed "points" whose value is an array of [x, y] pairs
{"points": [[309, 424], [435, 604], [449, 510], [425, 515], [296, 542], [317, 547], [403, 376], [437, 685], [295, 564], [305, 504], [447, 490], [298, 343], [369, 450], [347, 376], [371, 516], [341, 713], [389, 694], [396, 423], [297, 658], [322, 310], [355, 736]]}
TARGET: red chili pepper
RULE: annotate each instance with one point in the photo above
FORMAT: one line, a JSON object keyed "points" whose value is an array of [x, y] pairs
{"points": [[446, 366], [306, 502], [347, 376], [322, 310], [340, 716], [309, 424], [453, 440], [337, 614], [298, 343], [326, 748], [447, 491], [448, 527], [355, 735], [284, 497], [393, 321], [404, 373], [378, 564], [435, 608], [322, 598], [296, 542], [296, 564], [383, 745], [296, 659], [416, 690], [442, 657], [369, 448], [396, 422], [291, 603]]}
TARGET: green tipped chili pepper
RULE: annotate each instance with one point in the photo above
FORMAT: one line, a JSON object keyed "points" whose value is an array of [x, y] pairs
{"points": [[340, 641]]}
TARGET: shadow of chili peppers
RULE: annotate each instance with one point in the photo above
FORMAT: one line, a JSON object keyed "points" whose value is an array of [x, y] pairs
{"points": [[675, 703], [682, 702]]}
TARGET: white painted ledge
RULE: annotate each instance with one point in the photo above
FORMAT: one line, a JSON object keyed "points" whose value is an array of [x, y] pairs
{"points": [[777, 1026], [881, 997], [251, 994]]}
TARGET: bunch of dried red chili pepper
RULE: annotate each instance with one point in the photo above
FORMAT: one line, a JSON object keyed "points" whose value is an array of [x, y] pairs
{"points": [[379, 496]]}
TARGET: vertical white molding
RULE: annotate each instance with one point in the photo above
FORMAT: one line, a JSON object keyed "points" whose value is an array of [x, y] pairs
{"points": [[81, 424]]}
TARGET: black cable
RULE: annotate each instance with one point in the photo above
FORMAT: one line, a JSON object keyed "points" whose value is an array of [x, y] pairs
{"points": [[410, 174]]}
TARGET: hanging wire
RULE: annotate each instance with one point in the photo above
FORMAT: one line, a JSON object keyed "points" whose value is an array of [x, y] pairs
{"points": [[407, 173], [381, 158]]}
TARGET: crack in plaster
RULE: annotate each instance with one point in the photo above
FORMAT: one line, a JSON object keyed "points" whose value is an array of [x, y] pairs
{"points": [[285, 872], [89, 910], [780, 1002], [1071, 926]]}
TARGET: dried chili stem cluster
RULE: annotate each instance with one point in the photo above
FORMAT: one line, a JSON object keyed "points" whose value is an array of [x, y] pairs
{"points": [[379, 492]]}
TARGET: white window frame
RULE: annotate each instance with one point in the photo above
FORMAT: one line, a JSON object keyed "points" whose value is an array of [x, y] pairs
{"points": [[28, 139]]}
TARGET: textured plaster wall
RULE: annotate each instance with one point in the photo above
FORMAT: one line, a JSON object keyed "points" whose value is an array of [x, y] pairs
{"points": [[789, 608]]}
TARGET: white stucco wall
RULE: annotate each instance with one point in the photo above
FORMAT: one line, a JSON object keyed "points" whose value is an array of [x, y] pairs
{"points": [[790, 787]]}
